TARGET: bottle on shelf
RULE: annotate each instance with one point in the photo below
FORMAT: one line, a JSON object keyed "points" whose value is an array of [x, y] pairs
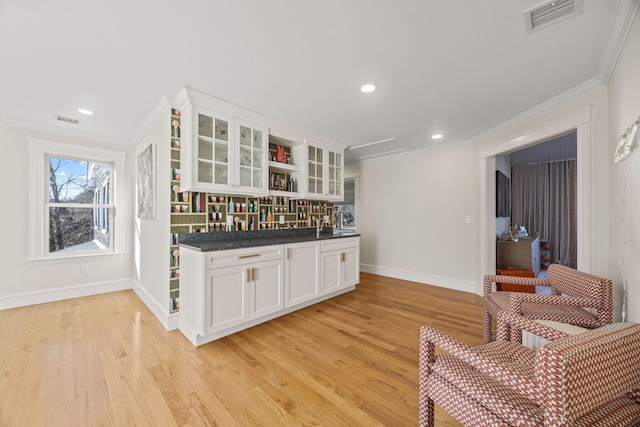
{"points": [[269, 215]]}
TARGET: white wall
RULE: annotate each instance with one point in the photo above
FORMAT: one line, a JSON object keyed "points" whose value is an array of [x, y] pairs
{"points": [[414, 205], [25, 283], [151, 236], [412, 216], [624, 109]]}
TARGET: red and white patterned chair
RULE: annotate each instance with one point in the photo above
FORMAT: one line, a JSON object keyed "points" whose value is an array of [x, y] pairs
{"points": [[585, 380], [573, 293]]}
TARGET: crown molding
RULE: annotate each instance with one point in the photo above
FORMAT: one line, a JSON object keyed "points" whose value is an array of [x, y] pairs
{"points": [[161, 108], [625, 14], [577, 92]]}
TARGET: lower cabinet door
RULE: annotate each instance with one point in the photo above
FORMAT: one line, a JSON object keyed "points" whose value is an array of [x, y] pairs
{"points": [[302, 273], [267, 288], [351, 267], [331, 271], [225, 296]]}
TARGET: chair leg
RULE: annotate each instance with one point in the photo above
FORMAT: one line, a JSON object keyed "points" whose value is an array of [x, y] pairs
{"points": [[426, 413], [487, 327], [426, 358]]}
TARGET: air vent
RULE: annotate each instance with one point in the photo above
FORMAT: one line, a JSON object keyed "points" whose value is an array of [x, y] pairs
{"points": [[550, 12], [69, 120]]}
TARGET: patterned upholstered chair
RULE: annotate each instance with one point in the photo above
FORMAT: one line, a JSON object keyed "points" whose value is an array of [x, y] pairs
{"points": [[590, 379], [577, 298]]}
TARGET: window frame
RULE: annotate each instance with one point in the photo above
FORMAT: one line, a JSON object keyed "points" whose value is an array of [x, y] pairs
{"points": [[39, 153]]}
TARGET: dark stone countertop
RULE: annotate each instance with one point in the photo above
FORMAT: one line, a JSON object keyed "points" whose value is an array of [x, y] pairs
{"points": [[220, 241]]}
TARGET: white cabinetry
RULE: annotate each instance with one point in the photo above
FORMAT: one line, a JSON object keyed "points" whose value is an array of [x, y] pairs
{"points": [[340, 264], [234, 295], [266, 288], [225, 296], [225, 148], [252, 154], [325, 165], [302, 275], [206, 154], [225, 289], [220, 152]]}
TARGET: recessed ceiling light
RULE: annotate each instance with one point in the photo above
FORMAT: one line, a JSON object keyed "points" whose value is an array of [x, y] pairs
{"points": [[436, 136], [369, 87], [85, 111]]}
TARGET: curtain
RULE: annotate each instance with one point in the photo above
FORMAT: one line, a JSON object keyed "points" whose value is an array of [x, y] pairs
{"points": [[543, 200]]}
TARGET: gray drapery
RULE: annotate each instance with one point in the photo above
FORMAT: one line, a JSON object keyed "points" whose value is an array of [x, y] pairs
{"points": [[543, 199]]}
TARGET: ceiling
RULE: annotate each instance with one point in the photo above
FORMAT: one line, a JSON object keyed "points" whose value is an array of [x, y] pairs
{"points": [[455, 67]]}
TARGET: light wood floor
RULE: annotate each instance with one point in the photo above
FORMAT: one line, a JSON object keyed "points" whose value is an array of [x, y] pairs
{"points": [[106, 360]]}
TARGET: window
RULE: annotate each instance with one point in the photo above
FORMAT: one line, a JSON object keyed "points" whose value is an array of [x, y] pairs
{"points": [[79, 210], [75, 193]]}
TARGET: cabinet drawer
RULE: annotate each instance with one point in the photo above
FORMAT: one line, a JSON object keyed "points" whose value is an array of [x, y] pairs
{"points": [[233, 257], [339, 244]]}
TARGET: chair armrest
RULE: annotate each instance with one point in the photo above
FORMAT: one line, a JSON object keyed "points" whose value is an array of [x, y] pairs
{"points": [[584, 371], [508, 321], [516, 300], [430, 337], [515, 280]]}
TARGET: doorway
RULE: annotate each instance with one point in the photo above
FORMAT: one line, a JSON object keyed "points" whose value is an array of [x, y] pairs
{"points": [[542, 200], [581, 123]]}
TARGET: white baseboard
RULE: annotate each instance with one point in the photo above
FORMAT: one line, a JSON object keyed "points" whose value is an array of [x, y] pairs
{"points": [[59, 294], [168, 320], [427, 279]]}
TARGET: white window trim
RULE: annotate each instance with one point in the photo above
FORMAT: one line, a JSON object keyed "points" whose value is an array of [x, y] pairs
{"points": [[38, 182]]}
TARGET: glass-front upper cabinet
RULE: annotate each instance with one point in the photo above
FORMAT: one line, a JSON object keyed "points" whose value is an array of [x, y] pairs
{"points": [[251, 158], [335, 174], [221, 153], [213, 150], [206, 154], [315, 171], [325, 166]]}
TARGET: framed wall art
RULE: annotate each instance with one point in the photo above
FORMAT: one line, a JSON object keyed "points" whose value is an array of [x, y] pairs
{"points": [[146, 183]]}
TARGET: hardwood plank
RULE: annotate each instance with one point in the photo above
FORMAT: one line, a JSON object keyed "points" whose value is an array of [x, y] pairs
{"points": [[106, 360]]}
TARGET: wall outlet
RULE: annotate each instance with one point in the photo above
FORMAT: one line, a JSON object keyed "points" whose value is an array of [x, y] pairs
{"points": [[84, 270], [467, 219]]}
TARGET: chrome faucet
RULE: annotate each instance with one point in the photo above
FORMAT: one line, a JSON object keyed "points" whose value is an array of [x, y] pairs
{"points": [[320, 223]]}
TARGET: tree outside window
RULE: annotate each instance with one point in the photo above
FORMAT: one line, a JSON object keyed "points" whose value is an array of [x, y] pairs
{"points": [[79, 207]]}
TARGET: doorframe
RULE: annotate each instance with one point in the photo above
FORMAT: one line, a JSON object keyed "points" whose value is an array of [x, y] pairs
{"points": [[356, 193], [581, 122]]}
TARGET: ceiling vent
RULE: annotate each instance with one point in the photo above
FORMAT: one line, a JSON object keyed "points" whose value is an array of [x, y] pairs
{"points": [[550, 12], [68, 120]]}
